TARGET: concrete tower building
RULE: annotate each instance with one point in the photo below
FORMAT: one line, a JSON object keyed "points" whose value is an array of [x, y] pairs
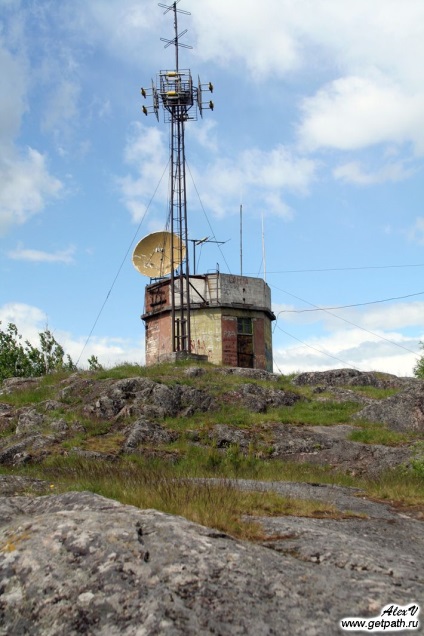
{"points": [[230, 320]]}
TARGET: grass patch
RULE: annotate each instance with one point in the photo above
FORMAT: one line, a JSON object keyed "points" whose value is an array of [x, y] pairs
{"points": [[96, 436], [402, 487], [33, 395], [325, 413], [120, 372], [110, 443], [228, 414], [318, 413], [374, 392], [7, 428], [197, 461], [164, 372], [271, 504], [378, 434]]}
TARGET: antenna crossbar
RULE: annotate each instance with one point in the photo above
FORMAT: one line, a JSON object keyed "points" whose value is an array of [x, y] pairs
{"points": [[173, 7], [176, 41]]}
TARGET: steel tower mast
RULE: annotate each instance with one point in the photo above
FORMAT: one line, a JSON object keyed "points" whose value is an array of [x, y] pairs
{"points": [[181, 101]]}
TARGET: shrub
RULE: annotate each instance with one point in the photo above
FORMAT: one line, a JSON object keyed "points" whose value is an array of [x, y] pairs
{"points": [[20, 358], [419, 367]]}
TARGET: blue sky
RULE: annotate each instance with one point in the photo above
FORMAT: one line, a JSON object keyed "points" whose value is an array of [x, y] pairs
{"points": [[318, 128]]}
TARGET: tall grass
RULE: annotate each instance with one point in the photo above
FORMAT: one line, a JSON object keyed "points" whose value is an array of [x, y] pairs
{"points": [[183, 488], [401, 487], [219, 504]]}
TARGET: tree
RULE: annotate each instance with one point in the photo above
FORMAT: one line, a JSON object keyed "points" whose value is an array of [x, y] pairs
{"points": [[419, 367], [13, 358], [22, 359], [94, 364]]}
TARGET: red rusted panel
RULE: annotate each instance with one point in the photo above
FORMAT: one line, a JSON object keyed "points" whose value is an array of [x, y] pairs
{"points": [[229, 340], [158, 337], [259, 343], [156, 297], [245, 358]]}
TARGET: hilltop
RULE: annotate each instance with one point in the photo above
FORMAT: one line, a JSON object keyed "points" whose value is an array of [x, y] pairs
{"points": [[309, 492]]}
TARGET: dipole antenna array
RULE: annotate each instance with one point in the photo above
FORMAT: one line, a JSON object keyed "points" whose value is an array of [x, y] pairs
{"points": [[181, 101]]}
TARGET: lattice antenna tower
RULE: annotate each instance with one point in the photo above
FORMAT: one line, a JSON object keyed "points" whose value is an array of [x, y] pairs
{"points": [[181, 101]]}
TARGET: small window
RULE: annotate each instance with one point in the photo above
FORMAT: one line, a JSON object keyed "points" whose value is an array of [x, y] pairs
{"points": [[244, 326]]}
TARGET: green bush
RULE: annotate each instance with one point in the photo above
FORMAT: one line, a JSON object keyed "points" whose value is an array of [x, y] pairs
{"points": [[21, 359], [419, 367]]}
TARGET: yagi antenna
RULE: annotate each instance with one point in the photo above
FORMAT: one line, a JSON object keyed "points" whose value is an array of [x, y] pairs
{"points": [[172, 7], [176, 41]]}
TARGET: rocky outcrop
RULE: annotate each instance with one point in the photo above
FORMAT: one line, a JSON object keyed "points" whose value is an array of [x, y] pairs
{"points": [[322, 445], [78, 563], [31, 448], [9, 385], [258, 399], [142, 397], [224, 436], [254, 374], [129, 416], [29, 421], [401, 412], [353, 458], [145, 433], [351, 377], [339, 394], [7, 414]]}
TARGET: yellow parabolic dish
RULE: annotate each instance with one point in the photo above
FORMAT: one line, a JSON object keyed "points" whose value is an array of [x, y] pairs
{"points": [[152, 255]]}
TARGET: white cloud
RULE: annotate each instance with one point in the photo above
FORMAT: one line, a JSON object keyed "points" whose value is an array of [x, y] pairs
{"points": [[273, 203], [26, 317], [205, 134], [25, 182], [373, 319], [353, 172], [13, 103], [278, 37], [123, 28], [399, 315], [276, 169], [416, 233], [109, 351], [39, 256], [350, 348], [368, 338], [356, 112], [62, 105], [254, 34], [25, 185], [262, 176], [145, 153]]}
